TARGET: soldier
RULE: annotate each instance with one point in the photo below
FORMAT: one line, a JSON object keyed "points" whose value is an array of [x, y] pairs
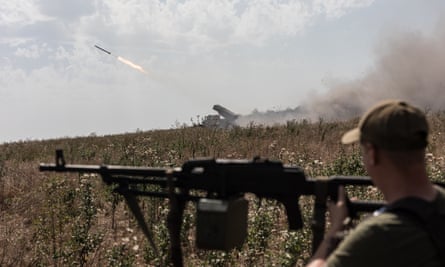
{"points": [[410, 230]]}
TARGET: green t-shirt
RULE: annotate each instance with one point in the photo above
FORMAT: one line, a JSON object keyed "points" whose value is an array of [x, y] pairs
{"points": [[388, 239]]}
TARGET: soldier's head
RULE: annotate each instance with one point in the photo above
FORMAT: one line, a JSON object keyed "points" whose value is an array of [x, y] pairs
{"points": [[391, 125], [395, 127]]}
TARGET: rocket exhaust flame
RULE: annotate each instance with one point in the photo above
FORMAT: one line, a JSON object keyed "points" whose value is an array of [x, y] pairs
{"points": [[123, 60], [131, 64]]}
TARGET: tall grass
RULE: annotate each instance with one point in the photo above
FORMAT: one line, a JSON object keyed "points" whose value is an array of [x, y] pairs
{"points": [[57, 220]]}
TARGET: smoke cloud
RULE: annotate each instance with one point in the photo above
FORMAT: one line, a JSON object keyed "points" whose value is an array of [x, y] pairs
{"points": [[409, 66]]}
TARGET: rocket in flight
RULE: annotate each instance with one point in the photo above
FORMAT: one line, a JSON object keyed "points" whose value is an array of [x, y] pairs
{"points": [[123, 60], [103, 50]]}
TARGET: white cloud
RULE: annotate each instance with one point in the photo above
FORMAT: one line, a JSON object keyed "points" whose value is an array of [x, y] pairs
{"points": [[33, 51], [338, 8], [262, 20], [20, 13], [190, 26], [219, 23]]}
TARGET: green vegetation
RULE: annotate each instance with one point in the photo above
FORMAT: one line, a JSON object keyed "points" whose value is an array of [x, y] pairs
{"points": [[51, 219]]}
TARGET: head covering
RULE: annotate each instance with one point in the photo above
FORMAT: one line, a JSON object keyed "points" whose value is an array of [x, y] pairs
{"points": [[392, 125]]}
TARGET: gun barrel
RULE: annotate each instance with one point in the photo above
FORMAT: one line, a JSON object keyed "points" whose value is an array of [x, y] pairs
{"points": [[106, 169], [366, 206], [350, 180]]}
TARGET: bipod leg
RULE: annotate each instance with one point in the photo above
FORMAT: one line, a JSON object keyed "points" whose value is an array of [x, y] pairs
{"points": [[136, 210]]}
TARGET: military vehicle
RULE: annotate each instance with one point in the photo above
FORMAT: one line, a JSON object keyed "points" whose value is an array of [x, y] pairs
{"points": [[224, 119]]}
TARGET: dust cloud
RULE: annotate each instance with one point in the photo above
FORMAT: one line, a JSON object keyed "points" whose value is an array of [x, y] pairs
{"points": [[409, 66]]}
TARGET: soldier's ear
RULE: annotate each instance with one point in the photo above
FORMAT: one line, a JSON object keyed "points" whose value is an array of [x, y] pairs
{"points": [[374, 155], [370, 154]]}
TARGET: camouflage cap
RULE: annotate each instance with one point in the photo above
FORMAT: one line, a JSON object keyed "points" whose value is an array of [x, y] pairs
{"points": [[392, 125]]}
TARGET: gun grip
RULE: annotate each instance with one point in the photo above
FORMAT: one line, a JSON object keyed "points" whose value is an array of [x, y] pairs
{"points": [[60, 159], [352, 212], [293, 212]]}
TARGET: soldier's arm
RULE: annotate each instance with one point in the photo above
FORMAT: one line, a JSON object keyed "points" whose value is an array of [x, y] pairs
{"points": [[338, 213]]}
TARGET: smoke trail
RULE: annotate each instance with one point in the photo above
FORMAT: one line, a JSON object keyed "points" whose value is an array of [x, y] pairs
{"points": [[409, 66]]}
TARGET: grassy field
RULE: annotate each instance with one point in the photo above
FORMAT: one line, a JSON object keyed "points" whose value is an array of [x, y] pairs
{"points": [[51, 219]]}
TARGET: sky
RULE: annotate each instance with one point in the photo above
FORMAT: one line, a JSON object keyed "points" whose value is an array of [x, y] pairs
{"points": [[171, 61]]}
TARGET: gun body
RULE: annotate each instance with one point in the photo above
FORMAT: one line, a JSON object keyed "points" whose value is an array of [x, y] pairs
{"points": [[222, 179], [222, 213]]}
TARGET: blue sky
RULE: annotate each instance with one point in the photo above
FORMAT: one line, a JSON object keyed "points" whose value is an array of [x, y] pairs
{"points": [[245, 55]]}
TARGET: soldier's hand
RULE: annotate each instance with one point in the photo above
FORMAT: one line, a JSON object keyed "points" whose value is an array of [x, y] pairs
{"points": [[338, 211]]}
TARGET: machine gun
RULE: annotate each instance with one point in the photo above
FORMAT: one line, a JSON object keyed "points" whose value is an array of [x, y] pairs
{"points": [[218, 187]]}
